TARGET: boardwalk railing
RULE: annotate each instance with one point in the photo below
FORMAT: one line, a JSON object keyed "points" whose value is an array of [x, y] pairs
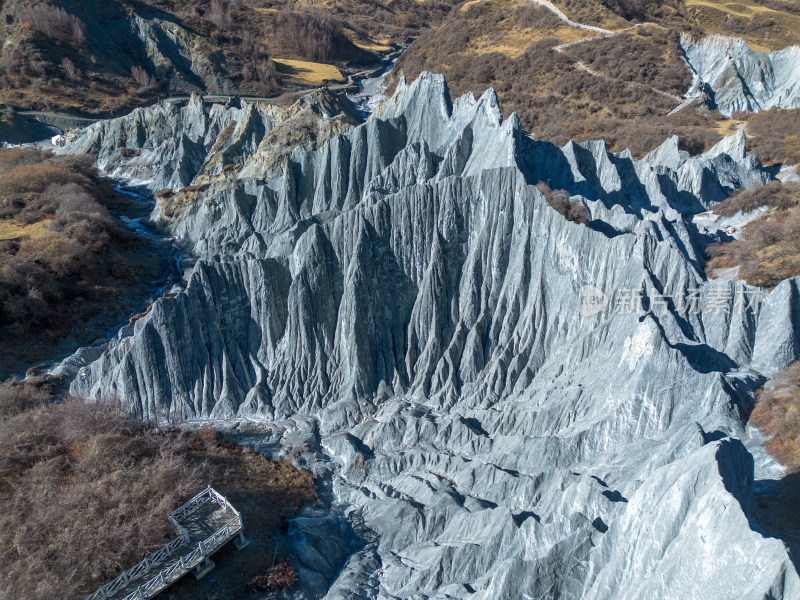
{"points": [[192, 505], [150, 586]]}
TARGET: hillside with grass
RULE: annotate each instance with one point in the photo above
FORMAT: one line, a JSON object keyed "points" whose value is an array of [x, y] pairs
{"points": [[103, 57], [87, 478], [566, 82], [777, 414], [616, 72], [69, 269]]}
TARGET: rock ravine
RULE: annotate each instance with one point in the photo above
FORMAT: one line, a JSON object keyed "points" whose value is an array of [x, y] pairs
{"points": [[517, 405]]}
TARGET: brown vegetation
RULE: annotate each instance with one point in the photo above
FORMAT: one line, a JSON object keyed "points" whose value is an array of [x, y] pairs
{"points": [[315, 34], [774, 135], [55, 23], [768, 250], [657, 63], [554, 96], [571, 210], [774, 195], [764, 25], [777, 415], [591, 12], [62, 254], [86, 490], [280, 577], [644, 10], [93, 44]]}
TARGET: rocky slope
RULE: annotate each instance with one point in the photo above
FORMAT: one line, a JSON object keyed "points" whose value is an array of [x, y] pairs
{"points": [[99, 54], [103, 57], [736, 78], [406, 288]]}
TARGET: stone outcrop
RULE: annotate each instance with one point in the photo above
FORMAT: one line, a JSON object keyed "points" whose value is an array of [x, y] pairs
{"points": [[180, 57], [736, 78], [407, 286], [174, 144]]}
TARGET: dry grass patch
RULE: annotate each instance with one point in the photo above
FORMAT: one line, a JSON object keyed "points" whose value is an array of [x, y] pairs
{"points": [[774, 135], [10, 230], [513, 43], [307, 72], [363, 40], [726, 127], [467, 5]]}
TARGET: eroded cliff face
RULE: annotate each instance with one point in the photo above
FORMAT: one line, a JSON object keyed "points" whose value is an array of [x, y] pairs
{"points": [[407, 287], [737, 78]]}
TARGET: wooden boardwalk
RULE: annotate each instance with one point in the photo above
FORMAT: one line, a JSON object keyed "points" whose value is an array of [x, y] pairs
{"points": [[205, 524]]}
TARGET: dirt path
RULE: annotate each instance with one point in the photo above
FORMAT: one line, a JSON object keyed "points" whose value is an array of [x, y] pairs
{"points": [[604, 33], [557, 12]]}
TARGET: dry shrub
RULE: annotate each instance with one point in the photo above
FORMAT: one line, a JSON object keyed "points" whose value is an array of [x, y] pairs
{"points": [[19, 396], [777, 414], [86, 478], [571, 210], [774, 195], [258, 69], [208, 436], [658, 59], [280, 577], [70, 70], [642, 10], [50, 279], [218, 14], [767, 252], [143, 79], [774, 135], [55, 23], [315, 34]]}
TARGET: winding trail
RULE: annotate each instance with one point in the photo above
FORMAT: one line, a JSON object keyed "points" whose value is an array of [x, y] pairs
{"points": [[607, 33], [557, 12]]}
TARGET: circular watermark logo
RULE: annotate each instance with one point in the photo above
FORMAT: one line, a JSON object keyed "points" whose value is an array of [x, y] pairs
{"points": [[591, 300]]}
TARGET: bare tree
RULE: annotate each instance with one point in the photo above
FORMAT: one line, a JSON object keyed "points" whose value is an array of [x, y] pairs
{"points": [[315, 34], [143, 78], [55, 23], [218, 14], [70, 70]]}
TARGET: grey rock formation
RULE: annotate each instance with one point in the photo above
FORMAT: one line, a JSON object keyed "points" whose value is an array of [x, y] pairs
{"points": [[408, 286], [737, 78], [171, 145], [178, 56]]}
